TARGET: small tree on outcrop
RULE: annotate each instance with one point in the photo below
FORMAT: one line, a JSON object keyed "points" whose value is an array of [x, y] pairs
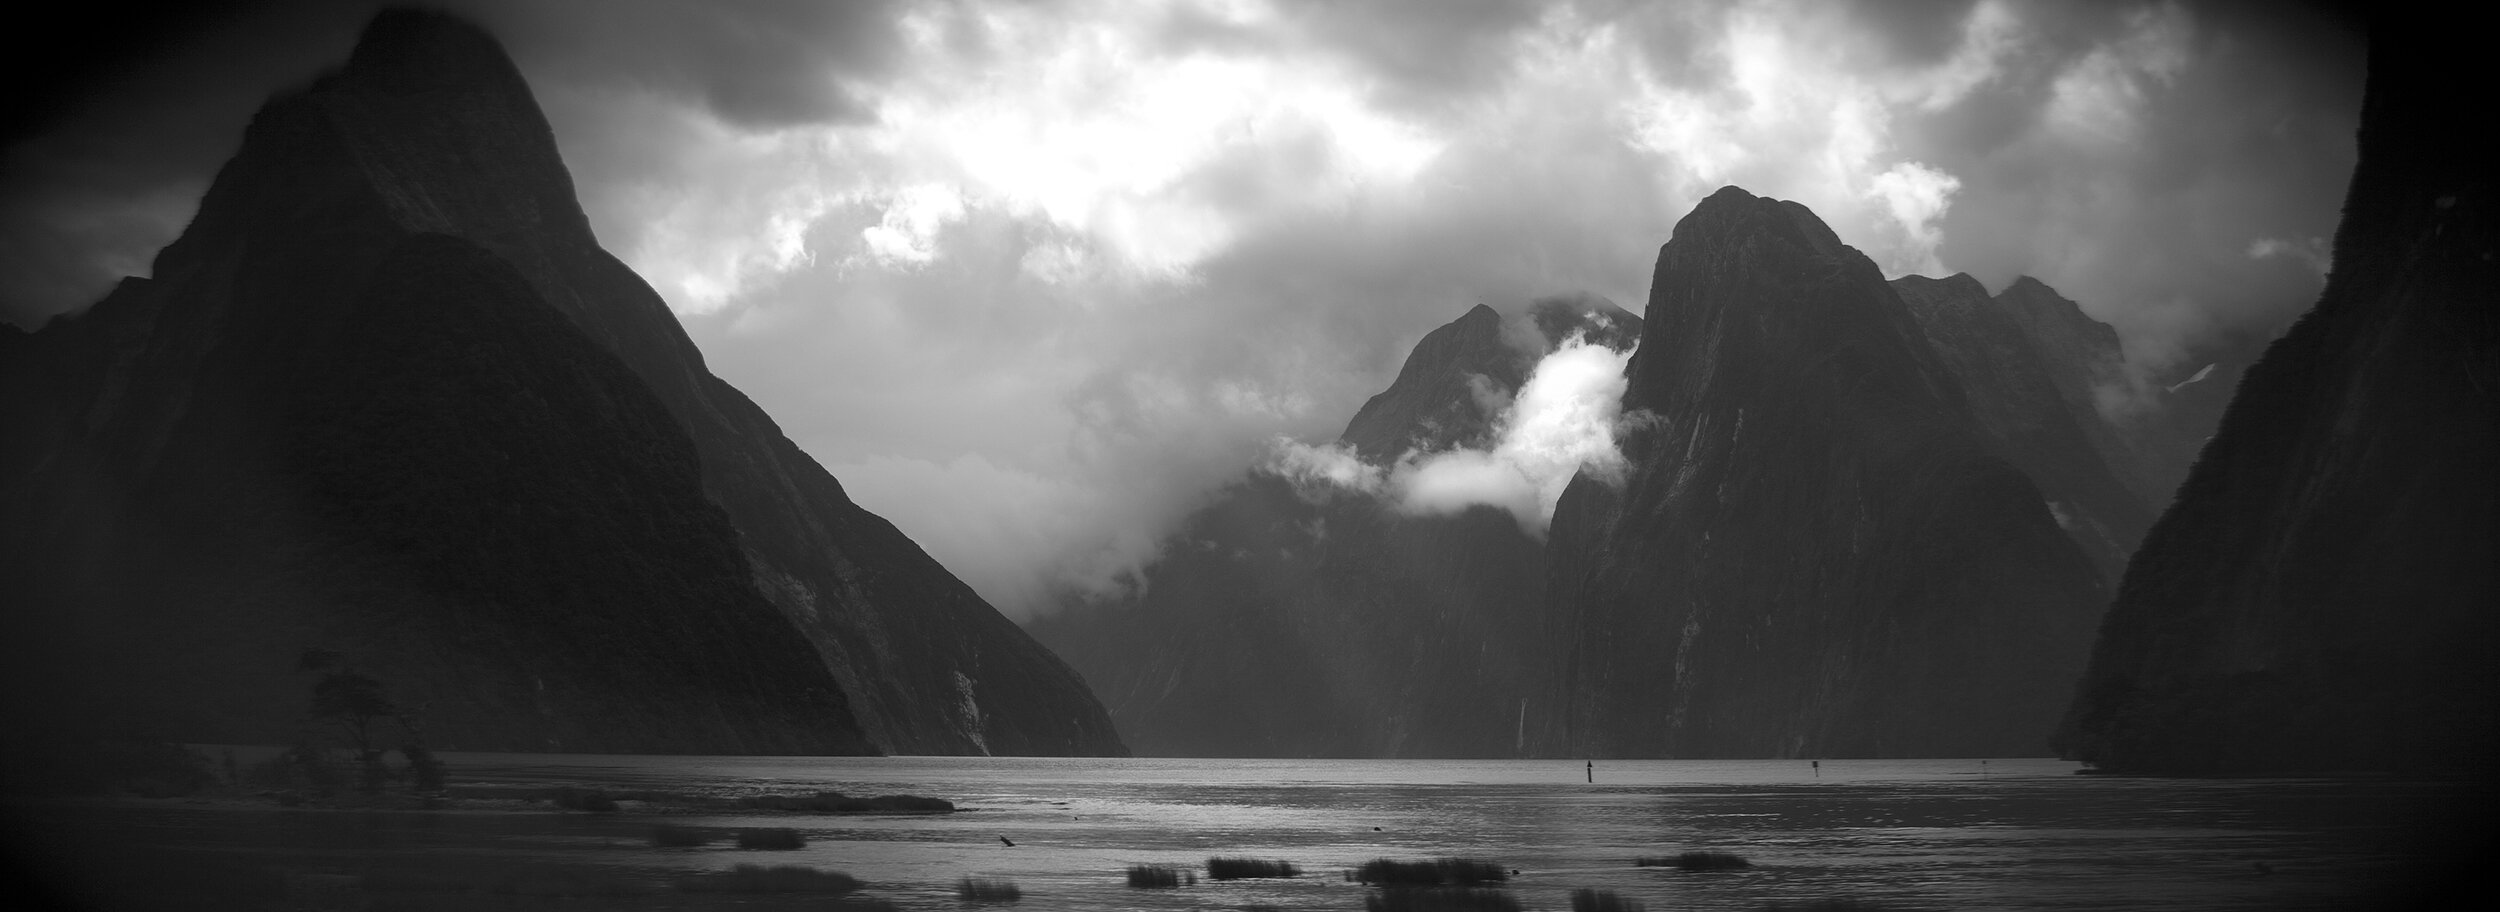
{"points": [[353, 702]]}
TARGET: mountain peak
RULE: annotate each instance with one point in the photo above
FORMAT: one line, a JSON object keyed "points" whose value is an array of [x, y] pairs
{"points": [[1803, 413], [1597, 320], [1431, 397], [1960, 286], [380, 194], [1732, 215], [2034, 294], [2044, 311], [404, 49], [1764, 275]]}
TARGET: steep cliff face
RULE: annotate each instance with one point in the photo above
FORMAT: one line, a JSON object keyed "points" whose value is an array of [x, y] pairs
{"points": [[1287, 621], [430, 133], [1815, 551], [401, 453], [2031, 416], [2146, 425], [2318, 598]]}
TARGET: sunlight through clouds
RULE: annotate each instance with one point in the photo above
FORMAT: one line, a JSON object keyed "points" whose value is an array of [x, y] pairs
{"points": [[1144, 184], [1089, 256], [1916, 197], [1083, 122], [906, 234]]}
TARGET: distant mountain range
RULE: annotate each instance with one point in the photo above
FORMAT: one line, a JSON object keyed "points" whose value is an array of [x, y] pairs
{"points": [[387, 395], [1859, 518], [1284, 621]]}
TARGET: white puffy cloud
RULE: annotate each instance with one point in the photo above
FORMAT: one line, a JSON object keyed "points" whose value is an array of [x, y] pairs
{"points": [[1916, 197], [1322, 471], [906, 234], [1561, 423]]}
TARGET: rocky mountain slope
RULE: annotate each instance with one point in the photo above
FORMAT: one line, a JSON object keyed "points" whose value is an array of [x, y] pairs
{"points": [[387, 393], [2146, 424], [2032, 415], [2318, 598], [1817, 551], [1294, 621], [1861, 519]]}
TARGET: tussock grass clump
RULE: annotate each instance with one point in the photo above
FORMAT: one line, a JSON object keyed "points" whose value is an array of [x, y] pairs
{"points": [[672, 836], [1238, 868], [1155, 876], [1465, 872], [838, 803], [748, 878], [1694, 861], [978, 889], [1588, 900], [1441, 899], [771, 839]]}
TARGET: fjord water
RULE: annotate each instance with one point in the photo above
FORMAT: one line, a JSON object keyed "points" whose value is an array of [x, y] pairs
{"points": [[1928, 834]]}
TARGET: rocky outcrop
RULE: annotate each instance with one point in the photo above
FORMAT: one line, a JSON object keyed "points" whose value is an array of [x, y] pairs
{"points": [[1298, 622], [2037, 416], [1816, 551], [411, 210], [2318, 598]]}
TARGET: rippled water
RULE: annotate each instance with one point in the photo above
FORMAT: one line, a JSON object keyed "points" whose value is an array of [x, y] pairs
{"points": [[1939, 834]]}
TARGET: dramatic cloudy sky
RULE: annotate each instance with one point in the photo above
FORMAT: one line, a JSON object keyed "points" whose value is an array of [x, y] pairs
{"points": [[1032, 277]]}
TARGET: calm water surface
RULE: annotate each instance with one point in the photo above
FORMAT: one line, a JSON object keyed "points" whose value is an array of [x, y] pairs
{"points": [[1937, 834]]}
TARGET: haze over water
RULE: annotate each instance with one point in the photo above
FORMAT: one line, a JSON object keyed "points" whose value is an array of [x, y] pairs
{"points": [[1930, 834]]}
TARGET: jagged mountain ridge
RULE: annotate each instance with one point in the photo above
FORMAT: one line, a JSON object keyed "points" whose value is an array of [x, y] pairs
{"points": [[2034, 419], [429, 131], [2318, 598], [1248, 644], [1815, 551], [1291, 622], [2146, 424]]}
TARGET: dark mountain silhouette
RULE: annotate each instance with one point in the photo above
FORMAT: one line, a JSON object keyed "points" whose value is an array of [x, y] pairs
{"points": [[1289, 622], [2318, 597], [2084, 359], [2146, 425], [387, 394], [1816, 550], [2033, 419]]}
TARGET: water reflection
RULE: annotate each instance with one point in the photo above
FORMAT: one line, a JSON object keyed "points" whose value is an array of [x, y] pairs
{"points": [[1895, 834]]}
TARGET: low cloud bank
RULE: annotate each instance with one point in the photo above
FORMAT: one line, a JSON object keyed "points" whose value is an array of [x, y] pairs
{"points": [[1561, 423]]}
